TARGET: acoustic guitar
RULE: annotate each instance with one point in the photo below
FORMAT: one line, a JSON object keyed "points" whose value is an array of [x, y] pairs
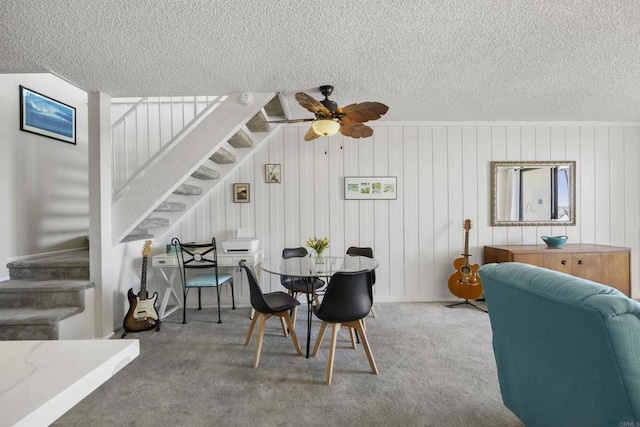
{"points": [[142, 314], [465, 282]]}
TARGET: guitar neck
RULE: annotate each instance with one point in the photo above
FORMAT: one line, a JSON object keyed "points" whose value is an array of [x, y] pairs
{"points": [[143, 279], [466, 246]]}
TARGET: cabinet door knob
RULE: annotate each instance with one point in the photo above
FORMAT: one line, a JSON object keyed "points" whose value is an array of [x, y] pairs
{"points": [[563, 262], [580, 262]]}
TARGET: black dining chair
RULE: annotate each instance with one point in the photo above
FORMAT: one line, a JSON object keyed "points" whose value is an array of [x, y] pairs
{"points": [[298, 285], [368, 252], [347, 300], [200, 257], [265, 306]]}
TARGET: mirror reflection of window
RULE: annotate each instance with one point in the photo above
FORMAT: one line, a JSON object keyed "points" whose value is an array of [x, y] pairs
{"points": [[532, 193], [536, 194], [509, 196], [564, 197]]}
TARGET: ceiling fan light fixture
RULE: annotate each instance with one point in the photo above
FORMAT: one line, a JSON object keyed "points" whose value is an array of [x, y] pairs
{"points": [[325, 127]]}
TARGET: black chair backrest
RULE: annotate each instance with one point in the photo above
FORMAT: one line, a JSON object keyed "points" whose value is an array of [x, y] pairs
{"points": [[348, 297], [287, 253], [256, 296], [300, 252], [364, 251], [196, 255]]}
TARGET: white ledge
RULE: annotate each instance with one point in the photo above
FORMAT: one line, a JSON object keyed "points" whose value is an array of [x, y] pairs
{"points": [[41, 380]]}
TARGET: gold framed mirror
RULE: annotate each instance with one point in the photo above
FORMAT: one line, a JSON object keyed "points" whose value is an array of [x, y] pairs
{"points": [[530, 193]]}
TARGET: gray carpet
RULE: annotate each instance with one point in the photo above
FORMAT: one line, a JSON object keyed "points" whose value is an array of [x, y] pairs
{"points": [[436, 367]]}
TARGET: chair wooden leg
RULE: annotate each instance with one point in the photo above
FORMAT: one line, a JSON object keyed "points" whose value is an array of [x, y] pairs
{"points": [[294, 337], [365, 343], [332, 352], [284, 316], [263, 321], [251, 327], [283, 323], [373, 312], [323, 327], [294, 310], [352, 333]]}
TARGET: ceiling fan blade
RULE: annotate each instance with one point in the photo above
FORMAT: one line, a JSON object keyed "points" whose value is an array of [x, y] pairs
{"points": [[356, 130], [312, 105], [363, 112], [291, 121], [311, 135]]}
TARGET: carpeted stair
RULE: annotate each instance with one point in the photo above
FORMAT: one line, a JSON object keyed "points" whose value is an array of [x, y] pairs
{"points": [[44, 292]]}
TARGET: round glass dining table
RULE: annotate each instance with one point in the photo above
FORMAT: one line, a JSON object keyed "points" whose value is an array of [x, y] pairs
{"points": [[308, 268]]}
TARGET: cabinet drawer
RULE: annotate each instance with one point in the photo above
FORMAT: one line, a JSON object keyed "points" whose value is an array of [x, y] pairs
{"points": [[533, 259], [615, 271], [587, 266], [164, 261]]}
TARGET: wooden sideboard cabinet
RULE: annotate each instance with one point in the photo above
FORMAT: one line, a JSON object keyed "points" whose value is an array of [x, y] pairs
{"points": [[609, 265]]}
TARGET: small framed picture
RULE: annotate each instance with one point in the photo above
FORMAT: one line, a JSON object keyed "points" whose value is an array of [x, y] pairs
{"points": [[45, 116], [241, 193], [272, 174]]}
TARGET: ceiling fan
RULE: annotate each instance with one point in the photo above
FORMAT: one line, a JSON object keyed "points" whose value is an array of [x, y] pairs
{"points": [[331, 119]]}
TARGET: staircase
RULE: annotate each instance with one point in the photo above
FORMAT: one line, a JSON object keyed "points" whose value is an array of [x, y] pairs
{"points": [[170, 181], [155, 184], [46, 297]]}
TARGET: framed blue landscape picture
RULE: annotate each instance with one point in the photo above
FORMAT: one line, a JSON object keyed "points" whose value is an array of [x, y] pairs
{"points": [[44, 116]]}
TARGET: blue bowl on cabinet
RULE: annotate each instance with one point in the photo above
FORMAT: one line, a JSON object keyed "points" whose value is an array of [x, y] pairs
{"points": [[555, 242]]}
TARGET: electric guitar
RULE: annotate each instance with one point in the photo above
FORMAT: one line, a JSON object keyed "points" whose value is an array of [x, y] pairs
{"points": [[465, 282], [142, 314]]}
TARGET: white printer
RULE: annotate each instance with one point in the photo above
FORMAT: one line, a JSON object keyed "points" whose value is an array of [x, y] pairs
{"points": [[242, 243]]}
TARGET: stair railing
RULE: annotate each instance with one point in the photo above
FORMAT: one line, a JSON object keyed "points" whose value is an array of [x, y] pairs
{"points": [[149, 129]]}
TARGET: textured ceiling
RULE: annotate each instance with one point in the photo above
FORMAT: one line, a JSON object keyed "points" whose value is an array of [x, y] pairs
{"points": [[428, 60]]}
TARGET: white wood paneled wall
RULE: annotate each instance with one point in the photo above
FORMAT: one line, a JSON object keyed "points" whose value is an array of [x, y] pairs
{"points": [[443, 178]]}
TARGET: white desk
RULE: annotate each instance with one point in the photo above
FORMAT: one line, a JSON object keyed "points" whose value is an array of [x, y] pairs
{"points": [[168, 266], [41, 380]]}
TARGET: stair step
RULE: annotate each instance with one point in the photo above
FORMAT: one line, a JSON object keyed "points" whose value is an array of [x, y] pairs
{"points": [[204, 172], [188, 190], [258, 123], [153, 223], [241, 140], [223, 157], [171, 207], [274, 108], [62, 266], [135, 237], [43, 293], [33, 323]]}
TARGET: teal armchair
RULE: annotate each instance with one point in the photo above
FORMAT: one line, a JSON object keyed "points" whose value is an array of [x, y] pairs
{"points": [[567, 350]]}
